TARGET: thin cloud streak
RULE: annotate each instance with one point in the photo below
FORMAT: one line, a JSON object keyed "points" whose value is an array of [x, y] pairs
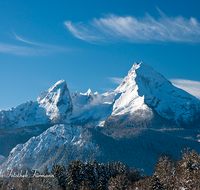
{"points": [[137, 30], [190, 86], [85, 33], [30, 49], [115, 80], [16, 50], [23, 40]]}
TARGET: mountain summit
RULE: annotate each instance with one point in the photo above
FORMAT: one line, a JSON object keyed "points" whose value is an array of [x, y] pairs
{"points": [[144, 115], [56, 101], [50, 105], [147, 90]]}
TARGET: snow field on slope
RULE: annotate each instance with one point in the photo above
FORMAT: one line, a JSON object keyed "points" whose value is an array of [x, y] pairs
{"points": [[56, 136]]}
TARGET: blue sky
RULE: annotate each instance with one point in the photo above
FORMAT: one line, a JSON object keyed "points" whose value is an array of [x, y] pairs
{"points": [[93, 44]]}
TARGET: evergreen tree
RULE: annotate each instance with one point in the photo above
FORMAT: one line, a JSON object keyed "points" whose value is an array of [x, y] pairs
{"points": [[120, 182], [76, 174], [164, 167], [155, 183], [45, 172], [120, 168], [59, 173], [102, 183]]}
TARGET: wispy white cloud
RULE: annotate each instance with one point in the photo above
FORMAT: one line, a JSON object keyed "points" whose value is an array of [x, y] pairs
{"points": [[190, 86], [82, 32], [17, 50], [30, 48], [29, 51], [137, 30], [115, 80], [23, 40]]}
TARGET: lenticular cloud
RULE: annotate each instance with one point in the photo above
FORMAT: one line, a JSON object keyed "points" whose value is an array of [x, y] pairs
{"points": [[137, 30]]}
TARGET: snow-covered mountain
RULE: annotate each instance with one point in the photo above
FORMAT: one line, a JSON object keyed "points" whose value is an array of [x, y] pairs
{"points": [[51, 104], [145, 92], [143, 89], [145, 107]]}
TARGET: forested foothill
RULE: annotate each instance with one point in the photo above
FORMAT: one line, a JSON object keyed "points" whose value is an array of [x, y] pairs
{"points": [[169, 173]]}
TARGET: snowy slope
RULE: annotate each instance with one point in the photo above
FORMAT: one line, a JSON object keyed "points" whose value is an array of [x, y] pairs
{"points": [[90, 109], [38, 150], [63, 143]]}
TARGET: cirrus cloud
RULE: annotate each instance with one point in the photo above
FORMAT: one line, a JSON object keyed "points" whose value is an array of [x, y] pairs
{"points": [[29, 48], [190, 86], [115, 80], [137, 30]]}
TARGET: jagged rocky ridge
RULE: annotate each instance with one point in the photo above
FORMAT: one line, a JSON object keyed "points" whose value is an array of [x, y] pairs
{"points": [[145, 115]]}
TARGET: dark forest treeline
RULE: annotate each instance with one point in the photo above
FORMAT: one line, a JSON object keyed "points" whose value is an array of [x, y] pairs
{"points": [[91, 175], [168, 174]]}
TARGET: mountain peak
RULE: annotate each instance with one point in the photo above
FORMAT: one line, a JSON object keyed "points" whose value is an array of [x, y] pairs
{"points": [[144, 88], [142, 73], [58, 88], [56, 99], [61, 84], [89, 92], [135, 66]]}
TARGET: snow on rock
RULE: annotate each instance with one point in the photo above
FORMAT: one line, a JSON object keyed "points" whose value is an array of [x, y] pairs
{"points": [[146, 89], [56, 100], [89, 92], [26, 114], [52, 105], [31, 153], [90, 109]]}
